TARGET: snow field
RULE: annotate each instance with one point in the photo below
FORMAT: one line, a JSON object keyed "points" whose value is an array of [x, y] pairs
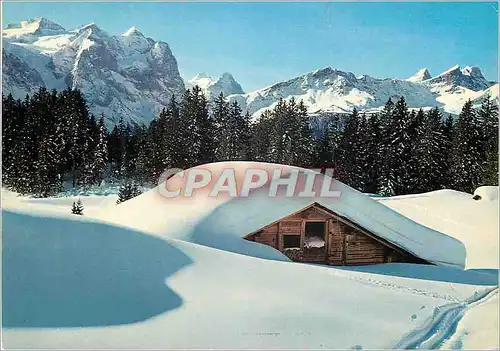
{"points": [[144, 274]]}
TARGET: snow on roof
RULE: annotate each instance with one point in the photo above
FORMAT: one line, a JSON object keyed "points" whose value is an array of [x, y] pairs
{"points": [[223, 221], [489, 193], [474, 223]]}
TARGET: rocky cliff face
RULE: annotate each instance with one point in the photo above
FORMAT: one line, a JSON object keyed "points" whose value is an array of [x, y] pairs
{"points": [[127, 75]]}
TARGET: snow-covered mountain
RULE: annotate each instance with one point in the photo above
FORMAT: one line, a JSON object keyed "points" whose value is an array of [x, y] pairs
{"points": [[132, 76], [455, 86], [332, 90], [126, 75], [225, 84]]}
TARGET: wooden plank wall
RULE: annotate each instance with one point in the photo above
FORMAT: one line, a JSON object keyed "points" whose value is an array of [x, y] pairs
{"points": [[268, 236], [336, 247], [344, 244]]}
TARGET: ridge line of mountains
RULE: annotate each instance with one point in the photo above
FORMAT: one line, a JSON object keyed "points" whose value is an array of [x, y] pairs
{"points": [[132, 76]]}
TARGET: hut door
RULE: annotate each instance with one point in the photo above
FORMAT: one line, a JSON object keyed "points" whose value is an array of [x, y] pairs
{"points": [[314, 249]]}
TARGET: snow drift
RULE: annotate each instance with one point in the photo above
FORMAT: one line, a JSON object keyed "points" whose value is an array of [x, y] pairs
{"points": [[72, 272], [71, 282], [473, 222], [222, 222]]}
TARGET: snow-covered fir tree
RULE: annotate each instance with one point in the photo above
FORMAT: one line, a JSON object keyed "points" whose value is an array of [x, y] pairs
{"points": [[430, 152], [373, 160], [260, 139], [48, 181], [396, 175], [466, 157], [327, 144], [488, 117], [127, 192], [352, 154], [291, 135], [77, 207], [220, 116]]}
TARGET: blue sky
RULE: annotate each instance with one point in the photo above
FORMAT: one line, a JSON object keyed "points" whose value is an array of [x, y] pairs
{"points": [[262, 43]]}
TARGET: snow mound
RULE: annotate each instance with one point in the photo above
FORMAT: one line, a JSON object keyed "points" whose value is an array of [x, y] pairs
{"points": [[489, 193], [222, 222], [474, 223]]}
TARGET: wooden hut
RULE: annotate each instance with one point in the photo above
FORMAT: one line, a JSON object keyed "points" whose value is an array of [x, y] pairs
{"points": [[316, 234]]}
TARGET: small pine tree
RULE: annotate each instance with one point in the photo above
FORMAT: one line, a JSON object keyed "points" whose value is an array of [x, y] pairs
{"points": [[127, 192], [77, 207]]}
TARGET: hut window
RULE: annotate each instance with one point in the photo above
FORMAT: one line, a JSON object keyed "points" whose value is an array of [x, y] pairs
{"points": [[315, 234], [291, 241]]}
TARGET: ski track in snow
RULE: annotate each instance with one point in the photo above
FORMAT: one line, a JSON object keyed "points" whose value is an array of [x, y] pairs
{"points": [[442, 325]]}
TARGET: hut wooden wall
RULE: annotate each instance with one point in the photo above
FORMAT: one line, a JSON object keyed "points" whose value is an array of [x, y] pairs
{"points": [[345, 243]]}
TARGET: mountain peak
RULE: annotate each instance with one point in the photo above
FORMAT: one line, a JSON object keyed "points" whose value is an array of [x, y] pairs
{"points": [[227, 85], [132, 31], [44, 23], [201, 75], [92, 26], [324, 70], [472, 71], [469, 77], [227, 75], [421, 75], [32, 26], [450, 70]]}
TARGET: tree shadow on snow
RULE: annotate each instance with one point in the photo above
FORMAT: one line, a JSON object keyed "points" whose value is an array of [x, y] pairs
{"points": [[70, 273], [431, 272]]}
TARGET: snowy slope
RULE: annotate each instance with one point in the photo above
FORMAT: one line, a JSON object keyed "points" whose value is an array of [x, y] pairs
{"points": [[226, 84], [455, 86], [478, 328], [475, 223], [77, 282], [198, 218], [125, 75], [60, 205], [133, 290], [39, 26]]}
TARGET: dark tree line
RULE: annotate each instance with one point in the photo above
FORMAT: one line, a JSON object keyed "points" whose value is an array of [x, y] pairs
{"points": [[399, 151], [51, 139]]}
